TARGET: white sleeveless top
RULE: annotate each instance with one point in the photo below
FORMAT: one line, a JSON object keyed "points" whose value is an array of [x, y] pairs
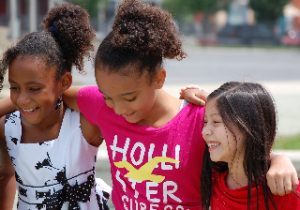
{"points": [[56, 174]]}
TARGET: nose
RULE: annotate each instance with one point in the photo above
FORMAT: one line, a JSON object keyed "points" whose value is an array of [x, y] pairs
{"points": [[206, 131], [22, 99], [119, 108]]}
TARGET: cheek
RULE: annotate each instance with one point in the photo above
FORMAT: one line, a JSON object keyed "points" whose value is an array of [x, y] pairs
{"points": [[109, 104], [232, 144], [13, 97], [142, 106]]}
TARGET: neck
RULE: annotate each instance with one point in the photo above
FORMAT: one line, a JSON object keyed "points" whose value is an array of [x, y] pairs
{"points": [[236, 177], [47, 130], [49, 123], [164, 109]]}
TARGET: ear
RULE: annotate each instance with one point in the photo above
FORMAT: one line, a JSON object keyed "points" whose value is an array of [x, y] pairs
{"points": [[159, 79], [66, 81]]}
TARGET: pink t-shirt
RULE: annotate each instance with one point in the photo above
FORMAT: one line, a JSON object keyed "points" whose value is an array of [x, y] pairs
{"points": [[152, 168]]}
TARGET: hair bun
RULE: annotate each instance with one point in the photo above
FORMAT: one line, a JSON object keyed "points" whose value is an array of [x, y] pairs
{"points": [[69, 25], [146, 29]]}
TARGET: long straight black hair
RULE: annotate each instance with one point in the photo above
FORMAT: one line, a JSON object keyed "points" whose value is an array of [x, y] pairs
{"points": [[249, 107]]}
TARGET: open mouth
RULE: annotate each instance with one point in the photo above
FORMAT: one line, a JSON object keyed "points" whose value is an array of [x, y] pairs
{"points": [[28, 111], [212, 146]]}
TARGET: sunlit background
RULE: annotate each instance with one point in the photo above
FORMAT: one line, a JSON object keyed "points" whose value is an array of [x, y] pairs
{"points": [[211, 22]]}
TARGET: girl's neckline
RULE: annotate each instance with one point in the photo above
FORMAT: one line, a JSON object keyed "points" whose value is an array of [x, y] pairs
{"points": [[225, 186], [181, 109]]}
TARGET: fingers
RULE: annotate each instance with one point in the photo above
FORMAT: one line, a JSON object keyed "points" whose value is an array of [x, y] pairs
{"points": [[295, 182], [191, 86], [276, 184], [287, 185], [282, 183], [197, 101], [194, 95], [271, 183], [202, 94]]}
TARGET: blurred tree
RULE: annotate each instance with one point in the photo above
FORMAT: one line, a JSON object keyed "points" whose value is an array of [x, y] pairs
{"points": [[268, 11], [181, 9], [195, 13], [92, 6]]}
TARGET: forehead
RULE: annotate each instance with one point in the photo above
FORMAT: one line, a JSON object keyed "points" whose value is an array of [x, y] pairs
{"points": [[114, 83], [211, 106], [30, 68], [27, 61]]}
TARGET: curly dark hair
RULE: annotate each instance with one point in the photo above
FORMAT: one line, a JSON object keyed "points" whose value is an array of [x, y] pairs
{"points": [[66, 39], [249, 107], [142, 35]]}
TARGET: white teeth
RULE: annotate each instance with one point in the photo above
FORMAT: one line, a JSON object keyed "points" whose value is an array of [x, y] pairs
{"points": [[210, 145], [28, 110]]}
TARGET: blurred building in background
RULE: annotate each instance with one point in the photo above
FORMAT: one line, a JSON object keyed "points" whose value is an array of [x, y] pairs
{"points": [[234, 24], [292, 20], [22, 16]]}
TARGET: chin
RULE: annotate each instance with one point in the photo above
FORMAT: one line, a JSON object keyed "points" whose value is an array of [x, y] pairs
{"points": [[215, 159], [131, 120]]}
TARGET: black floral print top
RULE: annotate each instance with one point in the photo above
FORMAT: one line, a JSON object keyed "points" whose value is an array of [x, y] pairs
{"points": [[56, 174]]}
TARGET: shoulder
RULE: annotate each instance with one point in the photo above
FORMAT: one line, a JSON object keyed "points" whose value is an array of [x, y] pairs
{"points": [[2, 129], [89, 91], [90, 98], [193, 113], [90, 132], [189, 107]]}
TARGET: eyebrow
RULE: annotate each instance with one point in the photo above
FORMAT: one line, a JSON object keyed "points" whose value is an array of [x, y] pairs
{"points": [[27, 83], [123, 94], [215, 114]]}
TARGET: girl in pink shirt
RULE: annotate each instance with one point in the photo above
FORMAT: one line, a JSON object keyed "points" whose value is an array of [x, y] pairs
{"points": [[153, 139]]}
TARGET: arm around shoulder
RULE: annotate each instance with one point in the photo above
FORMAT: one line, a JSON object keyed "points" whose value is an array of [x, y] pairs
{"points": [[282, 175], [70, 97], [6, 106], [7, 178]]}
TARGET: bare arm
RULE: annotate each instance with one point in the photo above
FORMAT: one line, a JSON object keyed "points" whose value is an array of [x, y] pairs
{"points": [[7, 178], [69, 97], [6, 106], [90, 132]]}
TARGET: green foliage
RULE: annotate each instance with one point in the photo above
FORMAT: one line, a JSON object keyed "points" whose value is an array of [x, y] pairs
{"points": [[268, 10], [180, 8], [92, 6], [288, 142]]}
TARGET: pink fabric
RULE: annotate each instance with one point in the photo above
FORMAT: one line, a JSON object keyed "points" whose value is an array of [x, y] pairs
{"points": [[224, 198], [165, 186]]}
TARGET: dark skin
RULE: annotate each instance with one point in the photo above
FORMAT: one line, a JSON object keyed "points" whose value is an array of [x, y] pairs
{"points": [[34, 90], [7, 174]]}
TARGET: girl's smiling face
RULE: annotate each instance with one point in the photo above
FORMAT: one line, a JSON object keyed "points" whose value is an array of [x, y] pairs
{"points": [[224, 144], [132, 96], [34, 89]]}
